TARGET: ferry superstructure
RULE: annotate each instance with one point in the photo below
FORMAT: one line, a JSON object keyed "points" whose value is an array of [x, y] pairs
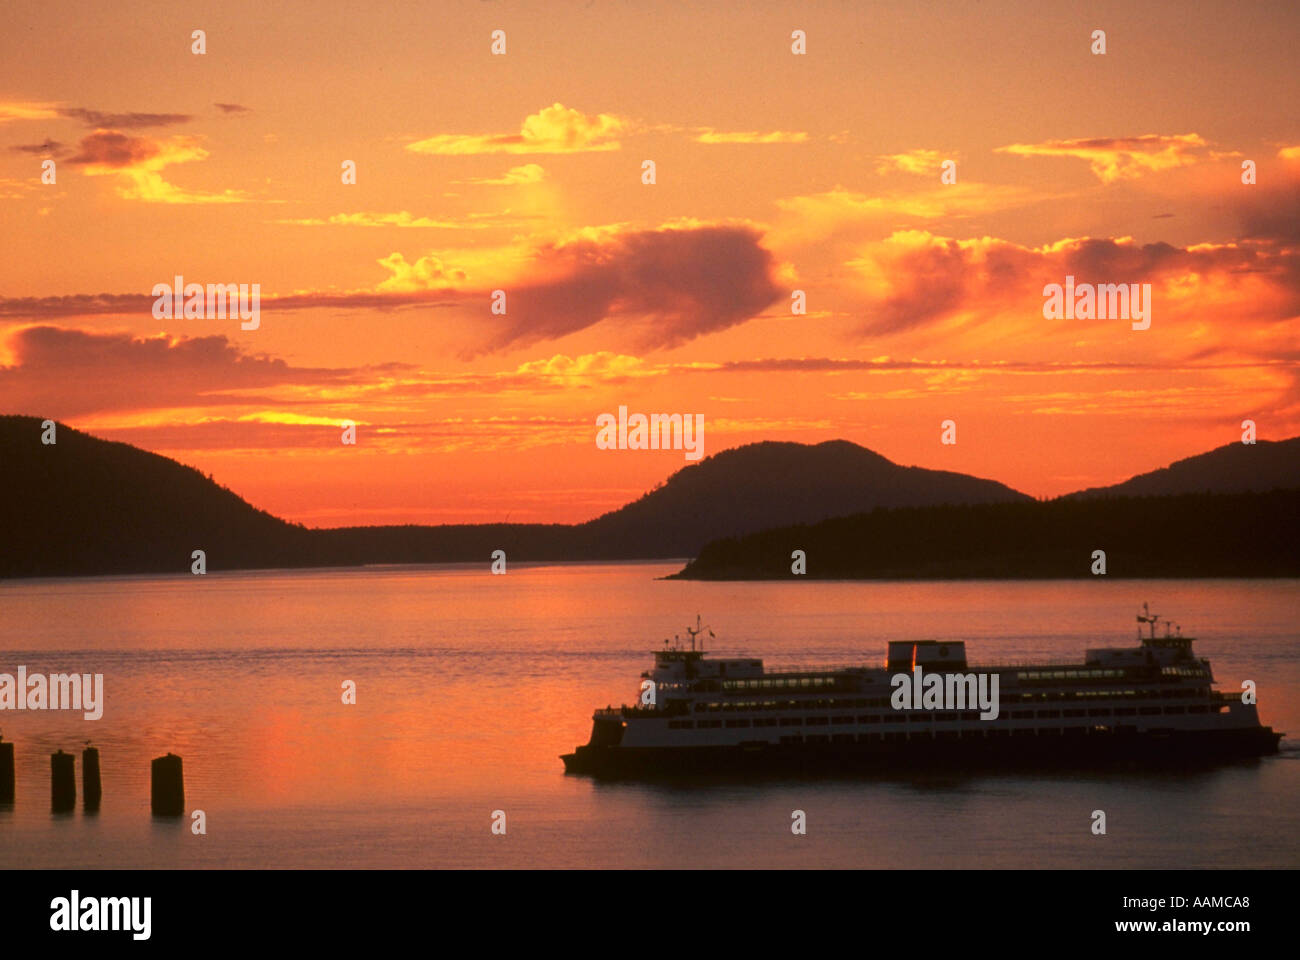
{"points": [[1152, 703]]}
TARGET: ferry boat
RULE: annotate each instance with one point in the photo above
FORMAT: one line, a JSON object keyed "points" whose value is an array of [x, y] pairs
{"points": [[1152, 703]]}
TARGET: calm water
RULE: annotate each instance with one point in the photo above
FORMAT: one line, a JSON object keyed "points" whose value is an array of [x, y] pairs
{"points": [[469, 686]]}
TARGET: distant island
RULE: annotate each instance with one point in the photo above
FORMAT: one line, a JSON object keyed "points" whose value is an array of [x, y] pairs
{"points": [[86, 506], [1179, 535]]}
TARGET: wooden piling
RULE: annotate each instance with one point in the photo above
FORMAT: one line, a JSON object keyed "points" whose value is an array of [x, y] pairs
{"points": [[168, 786], [90, 785], [63, 782], [6, 772]]}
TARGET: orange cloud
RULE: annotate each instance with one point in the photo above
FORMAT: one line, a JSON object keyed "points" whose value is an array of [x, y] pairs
{"points": [[27, 110], [709, 135], [553, 129], [913, 161], [401, 218], [67, 372], [135, 161], [515, 176], [914, 279], [1120, 158]]}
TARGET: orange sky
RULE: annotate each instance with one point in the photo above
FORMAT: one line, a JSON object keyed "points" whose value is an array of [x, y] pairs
{"points": [[523, 172]]}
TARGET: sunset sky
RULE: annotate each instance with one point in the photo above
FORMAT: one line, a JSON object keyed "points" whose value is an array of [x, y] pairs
{"points": [[775, 172]]}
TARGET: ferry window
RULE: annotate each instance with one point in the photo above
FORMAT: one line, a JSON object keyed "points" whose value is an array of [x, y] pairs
{"points": [[1049, 714], [1099, 713], [815, 721], [1148, 711], [805, 682], [791, 721], [1022, 714], [841, 719], [737, 723], [869, 718], [892, 718], [1175, 709], [1075, 713], [918, 718]]}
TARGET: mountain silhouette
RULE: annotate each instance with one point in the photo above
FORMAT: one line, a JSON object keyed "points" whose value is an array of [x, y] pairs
{"points": [[89, 506], [1232, 468], [750, 488]]}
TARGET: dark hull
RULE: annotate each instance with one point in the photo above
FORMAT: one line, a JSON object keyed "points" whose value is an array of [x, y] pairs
{"points": [[1092, 750]]}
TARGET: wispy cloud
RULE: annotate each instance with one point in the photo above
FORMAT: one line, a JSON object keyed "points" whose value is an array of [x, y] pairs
{"points": [[1121, 158], [553, 129], [920, 161], [124, 121], [709, 135], [515, 176]]}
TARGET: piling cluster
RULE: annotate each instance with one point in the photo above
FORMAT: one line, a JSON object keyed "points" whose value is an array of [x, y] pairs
{"points": [[167, 781]]}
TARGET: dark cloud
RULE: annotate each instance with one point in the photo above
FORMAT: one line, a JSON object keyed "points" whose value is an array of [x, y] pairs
{"points": [[112, 149], [66, 372], [936, 278], [668, 285], [233, 108], [676, 284], [125, 121], [48, 148]]}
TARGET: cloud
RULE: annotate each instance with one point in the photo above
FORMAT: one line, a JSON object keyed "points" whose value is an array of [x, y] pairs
{"points": [[27, 110], [680, 283], [135, 162], [109, 150], [675, 283], [709, 135], [515, 176], [553, 129], [233, 108], [913, 161], [50, 148], [1120, 158], [669, 285], [838, 213], [126, 121], [915, 279], [64, 372], [426, 273], [400, 219]]}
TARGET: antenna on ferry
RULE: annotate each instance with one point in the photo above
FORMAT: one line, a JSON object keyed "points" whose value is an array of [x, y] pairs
{"points": [[696, 631], [1146, 616]]}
